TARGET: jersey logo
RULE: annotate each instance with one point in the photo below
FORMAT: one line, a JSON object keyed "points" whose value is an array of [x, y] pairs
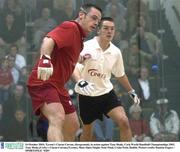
{"points": [[87, 56], [94, 72]]}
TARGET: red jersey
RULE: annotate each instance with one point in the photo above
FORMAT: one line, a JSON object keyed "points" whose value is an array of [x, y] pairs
{"points": [[68, 38], [6, 77]]}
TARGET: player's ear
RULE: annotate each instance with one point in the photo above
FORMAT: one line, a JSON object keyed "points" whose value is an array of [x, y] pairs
{"points": [[81, 15]]}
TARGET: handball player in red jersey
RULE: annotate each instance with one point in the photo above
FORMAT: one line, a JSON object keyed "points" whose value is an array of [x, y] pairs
{"points": [[59, 54]]}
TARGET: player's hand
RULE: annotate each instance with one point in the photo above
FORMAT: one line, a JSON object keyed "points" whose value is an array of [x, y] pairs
{"points": [[134, 96], [84, 87], [45, 68]]}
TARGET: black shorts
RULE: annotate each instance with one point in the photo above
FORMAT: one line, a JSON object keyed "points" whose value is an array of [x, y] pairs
{"points": [[92, 108]]}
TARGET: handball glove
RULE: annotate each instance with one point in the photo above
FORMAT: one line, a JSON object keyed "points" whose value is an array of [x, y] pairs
{"points": [[45, 67], [84, 87], [134, 96]]}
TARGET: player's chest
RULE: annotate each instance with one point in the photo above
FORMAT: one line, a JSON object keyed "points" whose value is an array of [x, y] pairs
{"points": [[101, 60]]}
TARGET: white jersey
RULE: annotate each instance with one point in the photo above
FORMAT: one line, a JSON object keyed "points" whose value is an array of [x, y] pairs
{"points": [[99, 64], [170, 125]]}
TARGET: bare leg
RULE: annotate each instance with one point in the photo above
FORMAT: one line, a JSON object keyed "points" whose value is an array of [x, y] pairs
{"points": [[87, 133], [119, 116], [54, 112], [71, 125]]}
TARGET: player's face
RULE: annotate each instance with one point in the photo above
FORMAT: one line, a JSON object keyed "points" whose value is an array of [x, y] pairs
{"points": [[90, 20], [107, 30]]}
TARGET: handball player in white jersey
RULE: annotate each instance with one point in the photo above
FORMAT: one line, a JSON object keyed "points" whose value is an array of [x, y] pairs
{"points": [[98, 60]]}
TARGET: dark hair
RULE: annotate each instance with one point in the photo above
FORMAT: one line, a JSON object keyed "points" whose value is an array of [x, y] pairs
{"points": [[14, 45], [86, 7], [105, 19]]}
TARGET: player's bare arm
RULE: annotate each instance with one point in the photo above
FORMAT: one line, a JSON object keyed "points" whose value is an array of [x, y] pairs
{"points": [[45, 67], [126, 84], [47, 46], [76, 74]]}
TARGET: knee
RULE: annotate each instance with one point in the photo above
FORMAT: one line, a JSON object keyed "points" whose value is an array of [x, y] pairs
{"points": [[70, 131], [123, 123], [72, 128], [75, 127], [57, 119]]}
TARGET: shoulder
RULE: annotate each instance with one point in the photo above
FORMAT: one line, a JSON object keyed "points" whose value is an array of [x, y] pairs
{"points": [[173, 112], [19, 56], [89, 42], [64, 30], [68, 25], [89, 47], [115, 49]]}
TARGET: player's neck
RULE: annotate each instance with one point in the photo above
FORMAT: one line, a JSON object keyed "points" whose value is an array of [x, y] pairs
{"points": [[103, 44], [80, 23]]}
